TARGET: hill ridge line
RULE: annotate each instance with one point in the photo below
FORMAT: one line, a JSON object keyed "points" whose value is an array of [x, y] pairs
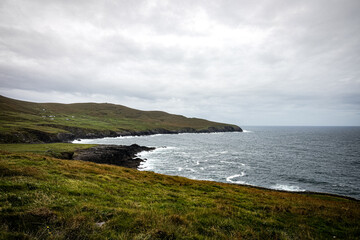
{"points": [[29, 122]]}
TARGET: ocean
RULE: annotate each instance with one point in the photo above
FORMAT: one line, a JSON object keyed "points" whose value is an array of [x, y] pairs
{"points": [[319, 159]]}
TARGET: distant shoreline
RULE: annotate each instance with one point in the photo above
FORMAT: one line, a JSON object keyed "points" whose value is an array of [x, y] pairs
{"points": [[29, 122], [75, 133]]}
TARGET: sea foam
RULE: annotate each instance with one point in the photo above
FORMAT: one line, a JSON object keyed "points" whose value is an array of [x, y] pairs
{"points": [[230, 179], [287, 188]]}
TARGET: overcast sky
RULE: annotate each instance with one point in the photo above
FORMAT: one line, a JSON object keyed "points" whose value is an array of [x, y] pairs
{"points": [[244, 62]]}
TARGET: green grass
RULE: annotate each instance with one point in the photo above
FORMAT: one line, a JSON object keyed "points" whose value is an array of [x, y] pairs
{"points": [[19, 118], [49, 149], [47, 198]]}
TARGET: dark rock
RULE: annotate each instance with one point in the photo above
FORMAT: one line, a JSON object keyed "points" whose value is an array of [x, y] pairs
{"points": [[67, 155], [124, 156], [27, 135]]}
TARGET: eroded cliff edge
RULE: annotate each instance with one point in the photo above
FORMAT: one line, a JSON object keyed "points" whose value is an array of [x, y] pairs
{"points": [[72, 133]]}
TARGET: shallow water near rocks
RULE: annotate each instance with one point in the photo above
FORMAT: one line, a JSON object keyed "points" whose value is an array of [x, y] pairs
{"points": [[321, 159]]}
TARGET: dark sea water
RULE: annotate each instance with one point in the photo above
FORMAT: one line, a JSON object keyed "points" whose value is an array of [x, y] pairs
{"points": [[321, 159]]}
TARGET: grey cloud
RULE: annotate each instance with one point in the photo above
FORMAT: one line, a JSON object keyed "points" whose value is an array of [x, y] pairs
{"points": [[246, 62]]}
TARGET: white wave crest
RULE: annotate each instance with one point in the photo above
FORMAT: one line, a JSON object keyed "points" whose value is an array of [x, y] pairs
{"points": [[221, 152], [287, 188], [157, 150], [191, 170], [243, 165], [230, 179], [83, 141], [145, 166]]}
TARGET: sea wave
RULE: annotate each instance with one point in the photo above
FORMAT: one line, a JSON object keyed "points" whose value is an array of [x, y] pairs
{"points": [[231, 178], [82, 141], [287, 188], [221, 152]]}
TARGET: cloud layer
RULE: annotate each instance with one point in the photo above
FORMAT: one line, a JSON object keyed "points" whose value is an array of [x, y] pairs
{"points": [[245, 62]]}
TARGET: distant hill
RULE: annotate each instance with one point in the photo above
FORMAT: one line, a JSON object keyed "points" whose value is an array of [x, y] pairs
{"points": [[54, 122]]}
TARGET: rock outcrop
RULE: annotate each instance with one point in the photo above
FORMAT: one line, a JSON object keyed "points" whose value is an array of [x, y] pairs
{"points": [[124, 156]]}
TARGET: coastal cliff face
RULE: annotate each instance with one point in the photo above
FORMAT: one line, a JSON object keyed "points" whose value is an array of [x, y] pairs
{"points": [[72, 133]]}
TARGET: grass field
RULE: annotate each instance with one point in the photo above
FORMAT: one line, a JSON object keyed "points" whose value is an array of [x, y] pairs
{"points": [[49, 149], [47, 198]]}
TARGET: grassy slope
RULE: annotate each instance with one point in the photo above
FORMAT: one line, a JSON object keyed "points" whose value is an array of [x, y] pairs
{"points": [[49, 149], [19, 116], [42, 197]]}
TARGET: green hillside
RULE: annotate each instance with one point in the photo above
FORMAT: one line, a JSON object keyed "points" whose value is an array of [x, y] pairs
{"points": [[53, 122], [47, 198]]}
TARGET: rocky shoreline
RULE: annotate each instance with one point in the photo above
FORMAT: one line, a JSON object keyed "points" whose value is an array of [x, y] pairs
{"points": [[124, 156], [72, 133], [119, 155]]}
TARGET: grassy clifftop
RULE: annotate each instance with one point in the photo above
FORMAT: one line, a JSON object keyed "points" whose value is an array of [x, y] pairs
{"points": [[47, 198], [53, 122]]}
